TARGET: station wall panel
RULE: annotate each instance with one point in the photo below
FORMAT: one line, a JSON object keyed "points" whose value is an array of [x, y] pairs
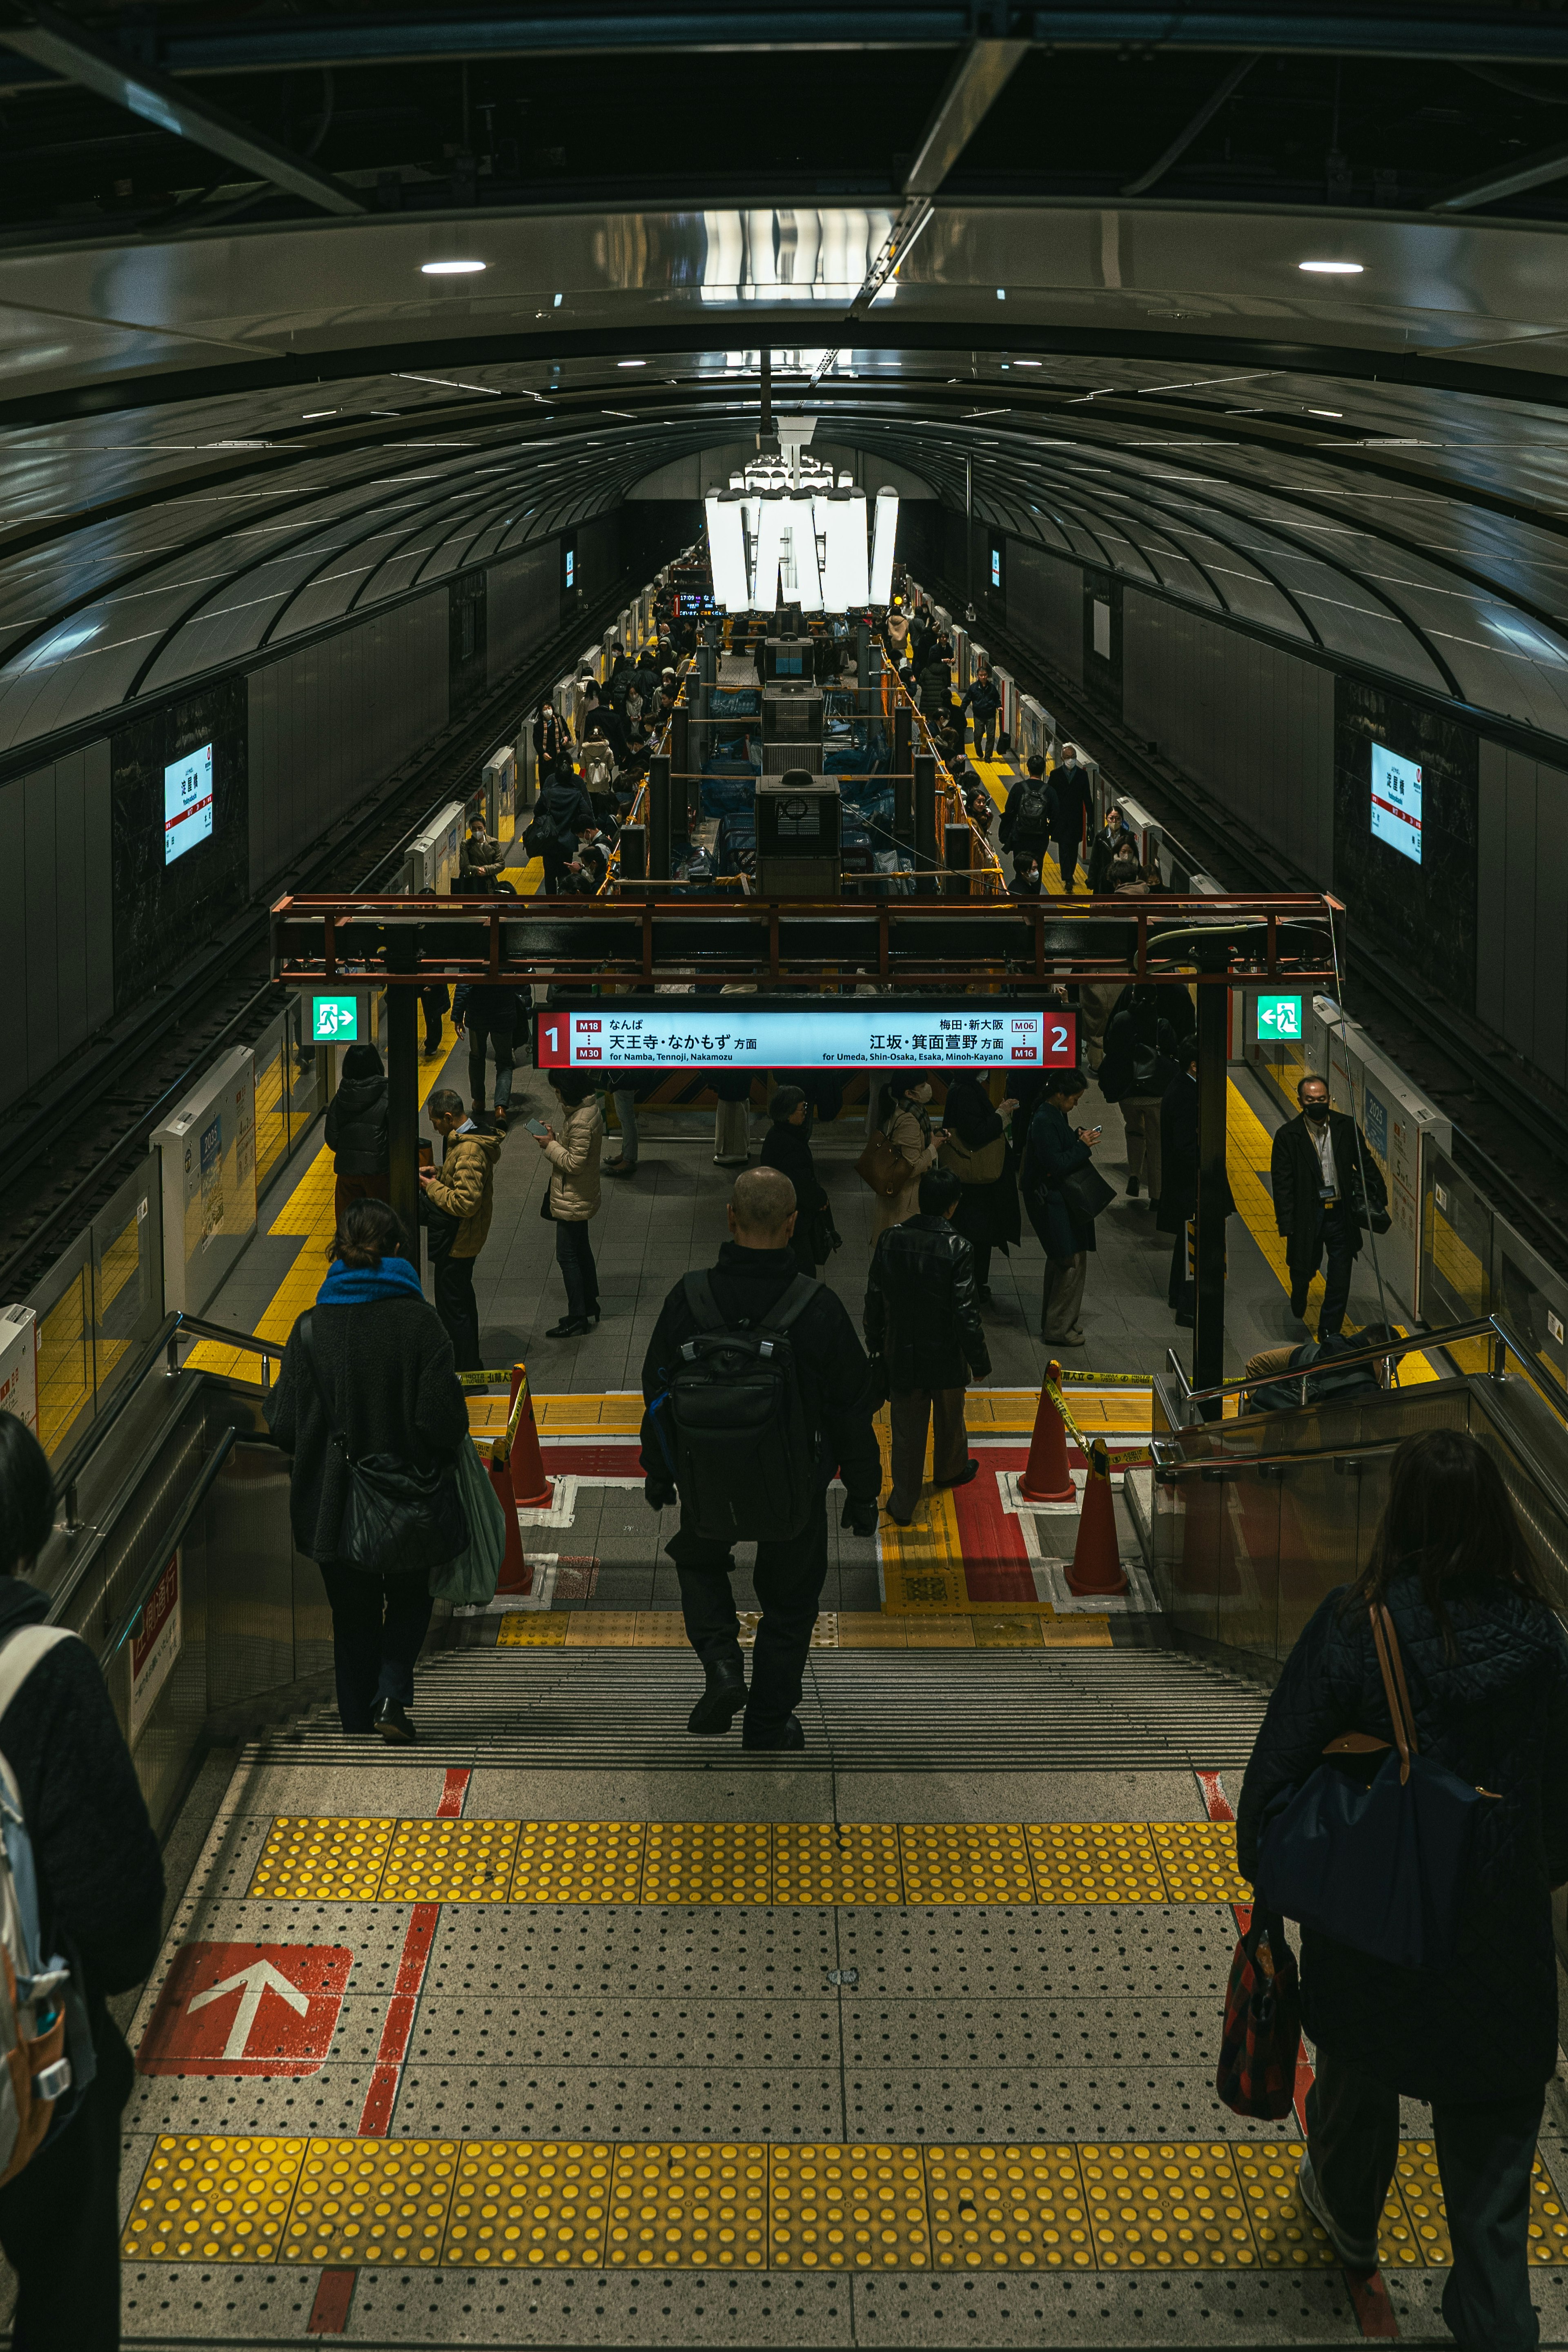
{"points": [[1251, 723], [524, 607], [1045, 604], [1521, 913], [327, 722], [57, 916]]}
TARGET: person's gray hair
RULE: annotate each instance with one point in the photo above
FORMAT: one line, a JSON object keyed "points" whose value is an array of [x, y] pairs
{"points": [[444, 1103]]}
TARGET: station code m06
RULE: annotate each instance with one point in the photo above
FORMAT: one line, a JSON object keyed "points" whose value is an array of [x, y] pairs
{"points": [[856, 1037]]}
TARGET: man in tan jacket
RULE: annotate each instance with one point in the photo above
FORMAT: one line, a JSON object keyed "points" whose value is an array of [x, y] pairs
{"points": [[462, 1190]]}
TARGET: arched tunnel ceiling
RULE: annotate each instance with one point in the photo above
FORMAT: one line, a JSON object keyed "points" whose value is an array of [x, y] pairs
{"points": [[215, 445]]}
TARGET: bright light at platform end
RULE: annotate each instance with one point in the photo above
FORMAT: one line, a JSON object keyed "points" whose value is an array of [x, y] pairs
{"points": [[1332, 269], [450, 268]]}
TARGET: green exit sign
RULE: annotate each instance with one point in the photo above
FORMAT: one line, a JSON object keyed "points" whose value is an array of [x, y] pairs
{"points": [[335, 1020], [1278, 1016]]}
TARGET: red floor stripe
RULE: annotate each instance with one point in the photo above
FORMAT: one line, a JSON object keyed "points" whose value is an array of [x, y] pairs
{"points": [[330, 2312], [1369, 2296], [375, 2119]]}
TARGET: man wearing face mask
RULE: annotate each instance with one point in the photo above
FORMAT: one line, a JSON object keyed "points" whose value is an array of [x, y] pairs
{"points": [[1327, 1188]]}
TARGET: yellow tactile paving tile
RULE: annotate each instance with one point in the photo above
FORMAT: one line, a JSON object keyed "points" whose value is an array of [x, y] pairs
{"points": [[921, 1864], [848, 2207], [214, 2200], [1287, 2237], [531, 1629], [307, 1857], [450, 1862], [1168, 2206], [1199, 1860], [1095, 1862], [578, 1861], [372, 2200], [1007, 2209]]}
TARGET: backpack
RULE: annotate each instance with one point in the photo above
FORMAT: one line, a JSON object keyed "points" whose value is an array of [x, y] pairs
{"points": [[37, 1997], [744, 1456], [1033, 798]]}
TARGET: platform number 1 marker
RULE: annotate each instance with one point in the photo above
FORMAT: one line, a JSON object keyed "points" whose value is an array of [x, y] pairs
{"points": [[1278, 1016]]}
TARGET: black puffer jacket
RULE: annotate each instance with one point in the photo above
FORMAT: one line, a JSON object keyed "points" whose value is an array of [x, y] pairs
{"points": [[356, 1128], [1497, 1714], [922, 1314]]}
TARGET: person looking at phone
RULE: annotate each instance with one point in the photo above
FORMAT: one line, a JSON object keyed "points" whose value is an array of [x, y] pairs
{"points": [[1056, 1147]]}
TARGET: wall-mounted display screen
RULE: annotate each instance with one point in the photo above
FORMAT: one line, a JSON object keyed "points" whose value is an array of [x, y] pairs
{"points": [[1396, 802], [187, 803], [691, 603], [856, 1038]]}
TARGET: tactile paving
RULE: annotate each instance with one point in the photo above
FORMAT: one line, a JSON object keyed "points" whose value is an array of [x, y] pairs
{"points": [[1548, 2224], [966, 1861], [1166, 2206], [1094, 1861], [533, 1629], [1418, 2187], [1287, 2237], [1007, 2209], [535, 2203], [372, 2200], [449, 1861], [821, 1863], [707, 1861], [689, 2205], [578, 1861], [848, 2207], [1198, 1859], [214, 2200], [339, 1859]]}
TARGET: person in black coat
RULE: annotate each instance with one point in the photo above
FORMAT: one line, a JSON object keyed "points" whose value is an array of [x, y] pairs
{"points": [[983, 698], [100, 1899], [1179, 1180], [987, 1213], [1138, 1066], [922, 1318], [383, 1372], [562, 806], [1327, 1186], [755, 1268], [552, 737], [1026, 826], [490, 1015], [1054, 1149], [1071, 798], [356, 1132], [1486, 1663], [787, 1147]]}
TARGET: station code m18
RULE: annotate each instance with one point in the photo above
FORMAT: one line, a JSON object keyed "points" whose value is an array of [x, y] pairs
{"points": [[856, 1037]]}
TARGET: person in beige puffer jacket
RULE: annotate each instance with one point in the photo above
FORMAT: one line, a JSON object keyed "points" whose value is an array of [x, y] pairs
{"points": [[574, 1198], [462, 1187]]}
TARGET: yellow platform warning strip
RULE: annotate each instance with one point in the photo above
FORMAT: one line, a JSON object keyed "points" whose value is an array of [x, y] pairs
{"points": [[987, 1413], [980, 1625], [329, 1859], [561, 2204]]}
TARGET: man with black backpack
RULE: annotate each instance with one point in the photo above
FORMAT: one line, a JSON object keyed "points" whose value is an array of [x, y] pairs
{"points": [[1025, 825], [756, 1389]]}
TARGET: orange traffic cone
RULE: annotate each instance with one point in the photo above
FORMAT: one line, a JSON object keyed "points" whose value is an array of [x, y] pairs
{"points": [[531, 1488], [516, 1576], [1048, 1478], [1097, 1557]]}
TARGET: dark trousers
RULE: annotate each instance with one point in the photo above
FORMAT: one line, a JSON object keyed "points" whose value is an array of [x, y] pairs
{"points": [[379, 1624], [788, 1577], [59, 2220], [985, 734], [458, 1310], [500, 1046], [574, 1256], [1484, 2155], [980, 1253], [433, 1003], [1337, 1235], [557, 855], [1067, 861], [911, 1412], [346, 1189]]}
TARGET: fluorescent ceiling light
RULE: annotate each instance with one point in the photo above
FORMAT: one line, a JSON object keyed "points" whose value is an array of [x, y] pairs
{"points": [[450, 268], [1027, 363], [1332, 269], [309, 415], [1325, 412], [631, 362]]}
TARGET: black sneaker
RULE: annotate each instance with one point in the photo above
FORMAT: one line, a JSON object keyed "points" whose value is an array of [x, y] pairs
{"points": [[724, 1697], [787, 1734], [391, 1719]]}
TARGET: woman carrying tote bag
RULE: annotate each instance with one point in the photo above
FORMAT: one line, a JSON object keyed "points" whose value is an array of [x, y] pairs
{"points": [[975, 1146], [1480, 1664], [370, 1383], [898, 1154]]}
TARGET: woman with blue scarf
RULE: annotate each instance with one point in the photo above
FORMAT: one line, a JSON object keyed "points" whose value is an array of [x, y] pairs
{"points": [[384, 1374]]}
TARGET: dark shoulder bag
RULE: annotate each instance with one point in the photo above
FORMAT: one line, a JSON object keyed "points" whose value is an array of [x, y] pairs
{"points": [[398, 1520]]}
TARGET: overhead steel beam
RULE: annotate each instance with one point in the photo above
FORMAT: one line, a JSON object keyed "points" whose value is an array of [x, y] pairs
{"points": [[975, 83], [53, 40], [1510, 179]]}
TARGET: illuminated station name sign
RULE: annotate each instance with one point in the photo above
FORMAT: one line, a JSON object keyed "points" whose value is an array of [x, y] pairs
{"points": [[852, 1039], [813, 537]]}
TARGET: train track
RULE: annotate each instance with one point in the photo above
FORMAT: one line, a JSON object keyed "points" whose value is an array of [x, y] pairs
{"points": [[68, 1144]]}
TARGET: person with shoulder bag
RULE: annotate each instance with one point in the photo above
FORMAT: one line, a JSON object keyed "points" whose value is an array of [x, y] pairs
{"points": [[902, 1148], [922, 1325], [369, 1408], [787, 1147], [975, 1146], [1063, 1194], [1407, 1802], [88, 1926]]}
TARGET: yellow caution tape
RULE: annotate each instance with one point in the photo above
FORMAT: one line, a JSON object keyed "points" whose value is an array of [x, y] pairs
{"points": [[483, 1379], [1131, 1458]]}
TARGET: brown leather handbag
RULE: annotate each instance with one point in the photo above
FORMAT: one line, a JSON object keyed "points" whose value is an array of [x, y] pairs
{"points": [[883, 1166], [982, 1167]]}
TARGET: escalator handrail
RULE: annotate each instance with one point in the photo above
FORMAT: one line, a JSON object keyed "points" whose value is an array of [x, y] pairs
{"points": [[1413, 1343], [1170, 1464]]}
